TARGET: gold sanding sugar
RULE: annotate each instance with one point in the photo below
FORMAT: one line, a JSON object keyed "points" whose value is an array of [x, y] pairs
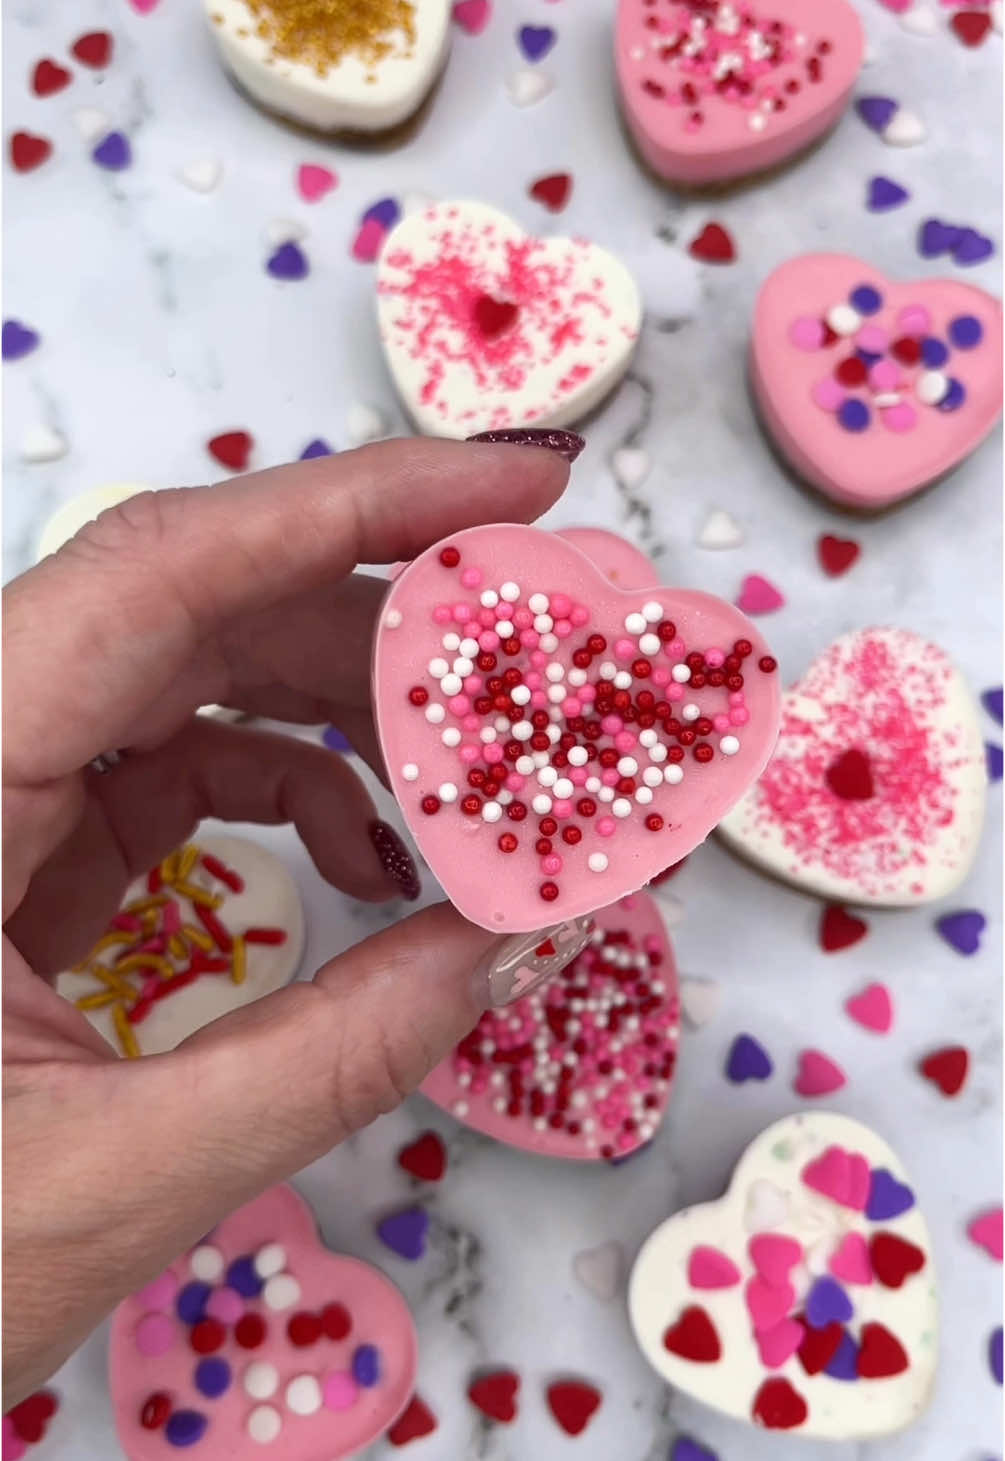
{"points": [[320, 33]]}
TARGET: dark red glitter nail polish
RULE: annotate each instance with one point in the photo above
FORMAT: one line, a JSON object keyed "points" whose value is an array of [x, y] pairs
{"points": [[568, 444], [395, 859]]}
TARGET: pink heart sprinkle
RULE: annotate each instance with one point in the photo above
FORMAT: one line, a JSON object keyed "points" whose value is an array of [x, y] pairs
{"points": [[842, 1176], [851, 1261], [986, 1232], [144, 7], [13, 1446], [758, 596], [366, 245], [774, 1256], [899, 7], [780, 1343], [818, 1075], [314, 181], [768, 1303], [710, 1268], [473, 15], [873, 1008]]}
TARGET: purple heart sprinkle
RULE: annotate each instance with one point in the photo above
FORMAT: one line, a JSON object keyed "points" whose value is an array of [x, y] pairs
{"points": [[990, 699], [888, 1198], [113, 152], [827, 1303], [936, 237], [993, 755], [18, 340], [748, 1061], [972, 247], [334, 739], [684, 1449], [316, 448], [877, 112], [884, 194], [536, 40], [405, 1232], [385, 211], [962, 931], [844, 1364], [288, 262], [995, 1354]]}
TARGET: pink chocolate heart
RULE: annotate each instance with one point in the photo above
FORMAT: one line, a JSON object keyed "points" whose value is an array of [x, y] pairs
{"points": [[544, 782], [712, 96], [872, 389], [314, 181], [850, 1262], [329, 1393], [710, 1268], [774, 1256], [500, 1082], [818, 1075]]}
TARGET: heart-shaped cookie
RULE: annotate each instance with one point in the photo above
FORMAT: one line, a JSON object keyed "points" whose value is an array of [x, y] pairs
{"points": [[871, 389], [217, 924], [715, 91], [260, 1335], [829, 1325], [486, 327], [365, 67], [875, 792], [555, 741], [617, 558], [581, 1067]]}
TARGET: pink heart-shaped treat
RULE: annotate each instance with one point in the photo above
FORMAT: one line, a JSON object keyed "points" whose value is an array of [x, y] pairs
{"points": [[617, 558], [818, 1075], [316, 1356], [872, 389], [554, 741], [314, 181], [714, 92], [850, 1262], [610, 1019]]}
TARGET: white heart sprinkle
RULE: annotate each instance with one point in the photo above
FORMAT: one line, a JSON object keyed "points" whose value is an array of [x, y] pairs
{"points": [[526, 87], [202, 174], [700, 999], [600, 1269], [364, 423], [767, 1206], [720, 530], [42, 444], [905, 129], [631, 466], [91, 123], [284, 230], [919, 21]]}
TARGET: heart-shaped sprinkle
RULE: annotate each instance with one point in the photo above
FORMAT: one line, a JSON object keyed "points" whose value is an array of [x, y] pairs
{"points": [[364, 423], [836, 554], [920, 21], [232, 449], [841, 1175], [28, 151], [720, 530], [818, 1075], [840, 929], [880, 1354], [113, 153], [314, 181], [827, 1303], [905, 129], [972, 247], [986, 1232], [31, 1416], [894, 1259], [472, 15], [713, 245], [288, 262], [93, 49], [17, 340], [42, 444], [849, 776], [424, 1158], [368, 241], [759, 596], [767, 1206], [685, 1449], [818, 1347], [876, 112], [405, 1232], [936, 237], [779, 1406], [415, 1421], [573, 1403], [747, 1061], [525, 88], [600, 1269], [700, 1000], [631, 466], [971, 26], [554, 190], [767, 1303], [694, 1337], [995, 761], [91, 123], [888, 1198], [48, 77], [144, 7], [883, 194], [710, 1268], [495, 1395], [316, 448], [493, 317], [873, 1008], [947, 1068], [995, 1354], [992, 702], [774, 1256], [897, 6], [535, 41], [850, 1260], [202, 174], [962, 931], [779, 1344]]}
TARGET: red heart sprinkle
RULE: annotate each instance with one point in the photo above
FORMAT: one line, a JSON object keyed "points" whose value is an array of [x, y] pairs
{"points": [[495, 1395], [819, 1346], [336, 1321], [30, 1417], [48, 77], [155, 1410], [880, 1353], [572, 1403], [425, 1158], [232, 449], [713, 245], [894, 1259], [415, 1420], [694, 1337], [93, 49], [839, 929], [304, 1329], [28, 151], [971, 26], [850, 776], [779, 1407], [836, 554], [947, 1068], [493, 316], [553, 191]]}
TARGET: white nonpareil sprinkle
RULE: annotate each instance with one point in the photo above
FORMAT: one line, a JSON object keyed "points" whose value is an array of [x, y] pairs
{"points": [[673, 775], [487, 735], [652, 776], [541, 804], [597, 862], [469, 648], [451, 736], [931, 387], [451, 642], [524, 764], [410, 771], [538, 603], [680, 673], [491, 811], [729, 745], [652, 612], [281, 1292], [563, 788], [608, 670], [557, 693], [520, 695], [643, 796], [691, 711], [648, 738], [435, 714], [622, 680], [509, 591], [447, 792], [543, 623], [621, 807], [303, 1395], [649, 644], [451, 684], [593, 784], [554, 672], [438, 668], [463, 666], [270, 1259], [635, 624], [264, 1424], [577, 677], [548, 643], [844, 319], [578, 756], [658, 752], [547, 776], [523, 730], [627, 766], [489, 599], [392, 619], [605, 794], [504, 629], [260, 1380], [207, 1263]]}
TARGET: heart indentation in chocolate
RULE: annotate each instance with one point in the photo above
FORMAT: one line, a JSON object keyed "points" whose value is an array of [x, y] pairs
{"points": [[494, 316]]}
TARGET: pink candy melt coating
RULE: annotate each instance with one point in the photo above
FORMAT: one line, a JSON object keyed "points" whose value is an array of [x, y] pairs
{"points": [[617, 558]]}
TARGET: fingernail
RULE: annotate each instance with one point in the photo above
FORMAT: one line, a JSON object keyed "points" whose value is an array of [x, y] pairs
{"points": [[568, 444], [519, 964], [395, 859]]}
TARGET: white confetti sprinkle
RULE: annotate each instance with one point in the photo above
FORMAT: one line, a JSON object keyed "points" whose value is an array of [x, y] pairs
{"points": [[843, 319], [631, 466], [281, 1292], [264, 1424], [410, 771], [260, 1380], [206, 1263], [42, 443], [364, 423], [201, 174]]}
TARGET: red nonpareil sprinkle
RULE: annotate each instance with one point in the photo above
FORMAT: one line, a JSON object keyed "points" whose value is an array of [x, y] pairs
{"points": [[214, 928], [225, 874], [154, 880], [155, 1410], [272, 936]]}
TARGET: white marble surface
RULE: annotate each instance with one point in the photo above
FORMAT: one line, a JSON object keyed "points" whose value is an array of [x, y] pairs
{"points": [[160, 329]]}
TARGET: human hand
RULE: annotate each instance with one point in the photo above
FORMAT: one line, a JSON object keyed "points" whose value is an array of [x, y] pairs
{"points": [[242, 593]]}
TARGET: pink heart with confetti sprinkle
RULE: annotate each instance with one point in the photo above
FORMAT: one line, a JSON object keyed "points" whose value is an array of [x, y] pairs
{"points": [[555, 741], [872, 389]]}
